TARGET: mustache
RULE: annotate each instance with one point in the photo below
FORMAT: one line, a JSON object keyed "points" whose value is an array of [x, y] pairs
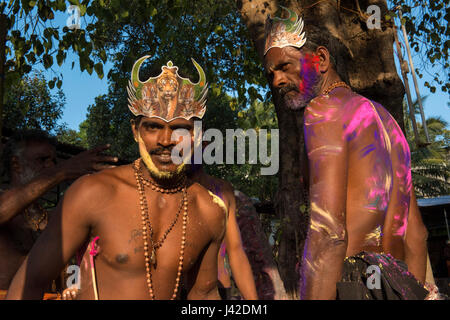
{"points": [[161, 150], [282, 91]]}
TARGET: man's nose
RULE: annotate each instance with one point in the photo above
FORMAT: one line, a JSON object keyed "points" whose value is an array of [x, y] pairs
{"points": [[165, 137], [279, 80]]}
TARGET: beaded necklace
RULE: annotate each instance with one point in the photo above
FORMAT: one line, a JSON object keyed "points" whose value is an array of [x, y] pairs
{"points": [[150, 260], [34, 223], [334, 85]]}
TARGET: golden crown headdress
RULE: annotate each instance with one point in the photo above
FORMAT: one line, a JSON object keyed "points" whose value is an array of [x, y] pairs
{"points": [[284, 32], [167, 96]]}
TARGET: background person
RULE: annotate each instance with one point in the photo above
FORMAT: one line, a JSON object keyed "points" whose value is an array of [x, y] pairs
{"points": [[30, 163]]}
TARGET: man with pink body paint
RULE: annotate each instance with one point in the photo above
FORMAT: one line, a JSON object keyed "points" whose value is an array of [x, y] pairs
{"points": [[366, 239]]}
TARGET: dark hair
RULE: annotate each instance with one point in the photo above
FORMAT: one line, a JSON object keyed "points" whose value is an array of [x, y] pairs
{"points": [[317, 36], [18, 142], [137, 120]]}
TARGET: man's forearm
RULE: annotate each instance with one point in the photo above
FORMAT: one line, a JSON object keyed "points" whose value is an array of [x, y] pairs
{"points": [[204, 294], [416, 241], [416, 258], [16, 199], [25, 285], [321, 270], [243, 275]]}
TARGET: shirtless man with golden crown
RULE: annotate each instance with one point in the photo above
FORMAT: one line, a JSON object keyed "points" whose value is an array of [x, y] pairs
{"points": [[157, 231]]}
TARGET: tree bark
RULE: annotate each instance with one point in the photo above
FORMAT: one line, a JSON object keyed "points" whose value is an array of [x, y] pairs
{"points": [[372, 73], [2, 67], [2, 82]]}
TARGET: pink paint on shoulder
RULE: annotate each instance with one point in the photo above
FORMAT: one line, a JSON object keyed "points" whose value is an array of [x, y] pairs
{"points": [[223, 249]]}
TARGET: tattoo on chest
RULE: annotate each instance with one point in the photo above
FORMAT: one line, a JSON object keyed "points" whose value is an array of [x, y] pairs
{"points": [[135, 233]]}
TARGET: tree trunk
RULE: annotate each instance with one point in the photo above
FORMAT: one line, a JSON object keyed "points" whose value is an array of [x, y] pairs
{"points": [[2, 67], [372, 73], [2, 82]]}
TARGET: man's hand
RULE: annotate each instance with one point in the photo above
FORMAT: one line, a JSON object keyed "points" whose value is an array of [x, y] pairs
{"points": [[70, 293], [17, 198], [89, 161]]}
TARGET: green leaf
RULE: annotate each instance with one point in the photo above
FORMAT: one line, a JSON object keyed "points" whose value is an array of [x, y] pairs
{"points": [[60, 58], [26, 68], [61, 5], [89, 68], [303, 208], [82, 10], [48, 61], [103, 55], [31, 57], [99, 70]]}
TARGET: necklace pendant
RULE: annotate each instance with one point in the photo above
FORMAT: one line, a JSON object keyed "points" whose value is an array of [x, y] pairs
{"points": [[153, 257]]}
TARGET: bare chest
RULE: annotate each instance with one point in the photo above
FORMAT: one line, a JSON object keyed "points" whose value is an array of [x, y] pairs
{"points": [[129, 232]]}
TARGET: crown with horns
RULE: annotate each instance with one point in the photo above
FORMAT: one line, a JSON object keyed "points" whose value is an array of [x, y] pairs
{"points": [[167, 96], [284, 32]]}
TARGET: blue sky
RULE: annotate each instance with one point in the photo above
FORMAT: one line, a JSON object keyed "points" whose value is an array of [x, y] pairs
{"points": [[81, 89]]}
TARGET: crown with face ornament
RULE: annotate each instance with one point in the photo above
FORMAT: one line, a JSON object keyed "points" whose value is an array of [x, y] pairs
{"points": [[282, 33], [167, 96]]}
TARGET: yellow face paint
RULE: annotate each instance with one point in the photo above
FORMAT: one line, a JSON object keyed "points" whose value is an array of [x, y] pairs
{"points": [[154, 171]]}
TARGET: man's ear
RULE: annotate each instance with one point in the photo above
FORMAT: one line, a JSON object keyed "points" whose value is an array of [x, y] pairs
{"points": [[324, 59], [133, 128]]}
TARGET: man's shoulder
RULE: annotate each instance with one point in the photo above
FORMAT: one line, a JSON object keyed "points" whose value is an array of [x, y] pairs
{"points": [[103, 182], [332, 107], [225, 186], [357, 111], [356, 103], [340, 99], [211, 207]]}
